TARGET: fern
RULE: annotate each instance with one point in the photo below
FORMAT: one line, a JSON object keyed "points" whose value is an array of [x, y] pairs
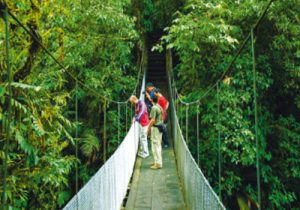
{"points": [[16, 104], [23, 143], [89, 143], [37, 126], [26, 86]]}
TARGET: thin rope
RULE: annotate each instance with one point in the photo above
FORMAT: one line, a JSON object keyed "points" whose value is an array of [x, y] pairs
{"points": [[219, 142], [126, 125], [66, 70], [181, 114], [187, 124], [198, 141], [256, 122], [104, 130], [76, 142], [76, 133], [119, 115], [131, 112]]}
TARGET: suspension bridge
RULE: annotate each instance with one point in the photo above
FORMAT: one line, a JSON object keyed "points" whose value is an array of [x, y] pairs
{"points": [[180, 184]]}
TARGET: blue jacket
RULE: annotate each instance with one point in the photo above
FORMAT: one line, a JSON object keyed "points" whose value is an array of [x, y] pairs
{"points": [[149, 104]]}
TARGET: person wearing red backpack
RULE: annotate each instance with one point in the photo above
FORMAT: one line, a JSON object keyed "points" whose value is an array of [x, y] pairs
{"points": [[164, 104]]}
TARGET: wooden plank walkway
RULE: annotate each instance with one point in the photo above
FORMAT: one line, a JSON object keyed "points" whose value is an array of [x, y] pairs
{"points": [[156, 189]]}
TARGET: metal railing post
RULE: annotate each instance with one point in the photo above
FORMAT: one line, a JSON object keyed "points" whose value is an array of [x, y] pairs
{"points": [[181, 114], [219, 143], [126, 119], [187, 124], [76, 133], [104, 131], [198, 140], [256, 122], [119, 113]]}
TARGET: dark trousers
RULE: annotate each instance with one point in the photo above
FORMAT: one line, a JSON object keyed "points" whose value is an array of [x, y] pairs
{"points": [[165, 138]]}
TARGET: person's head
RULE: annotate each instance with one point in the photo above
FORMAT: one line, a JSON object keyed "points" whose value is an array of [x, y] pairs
{"points": [[157, 92], [133, 100], [149, 87], [155, 99]]}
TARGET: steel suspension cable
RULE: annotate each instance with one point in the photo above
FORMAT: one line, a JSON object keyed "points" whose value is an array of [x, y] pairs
{"points": [[228, 68], [256, 122], [187, 124], [250, 35], [119, 113], [76, 133], [104, 130], [198, 134], [66, 70], [126, 110], [181, 114], [7, 14], [219, 142], [76, 140], [131, 112]]}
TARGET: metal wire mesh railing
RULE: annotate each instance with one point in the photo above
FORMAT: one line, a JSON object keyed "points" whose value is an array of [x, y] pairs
{"points": [[197, 191], [184, 109], [107, 188]]}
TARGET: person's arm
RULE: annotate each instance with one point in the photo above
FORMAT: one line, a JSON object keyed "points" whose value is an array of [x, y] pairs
{"points": [[151, 123], [149, 98], [167, 106]]}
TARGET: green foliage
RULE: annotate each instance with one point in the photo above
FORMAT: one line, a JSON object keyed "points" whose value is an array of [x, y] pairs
{"points": [[90, 145], [200, 40], [204, 36], [153, 16], [95, 41]]}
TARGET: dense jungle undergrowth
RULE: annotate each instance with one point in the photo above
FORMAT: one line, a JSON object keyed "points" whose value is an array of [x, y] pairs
{"points": [[100, 42]]}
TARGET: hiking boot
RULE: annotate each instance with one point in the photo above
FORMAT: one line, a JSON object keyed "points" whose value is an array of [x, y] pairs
{"points": [[156, 166]]}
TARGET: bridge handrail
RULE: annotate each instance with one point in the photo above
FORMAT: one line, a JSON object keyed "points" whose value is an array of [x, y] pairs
{"points": [[197, 191], [107, 188]]}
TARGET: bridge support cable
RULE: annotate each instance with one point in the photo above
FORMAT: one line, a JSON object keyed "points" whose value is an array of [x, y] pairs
{"points": [[119, 122], [181, 115], [76, 135], [64, 69], [130, 116], [229, 70], [219, 142], [176, 105], [108, 187], [187, 124], [198, 134], [233, 60], [126, 120], [104, 130], [256, 121]]}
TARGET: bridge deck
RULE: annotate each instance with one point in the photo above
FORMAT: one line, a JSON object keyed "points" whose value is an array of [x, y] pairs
{"points": [[156, 189]]}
